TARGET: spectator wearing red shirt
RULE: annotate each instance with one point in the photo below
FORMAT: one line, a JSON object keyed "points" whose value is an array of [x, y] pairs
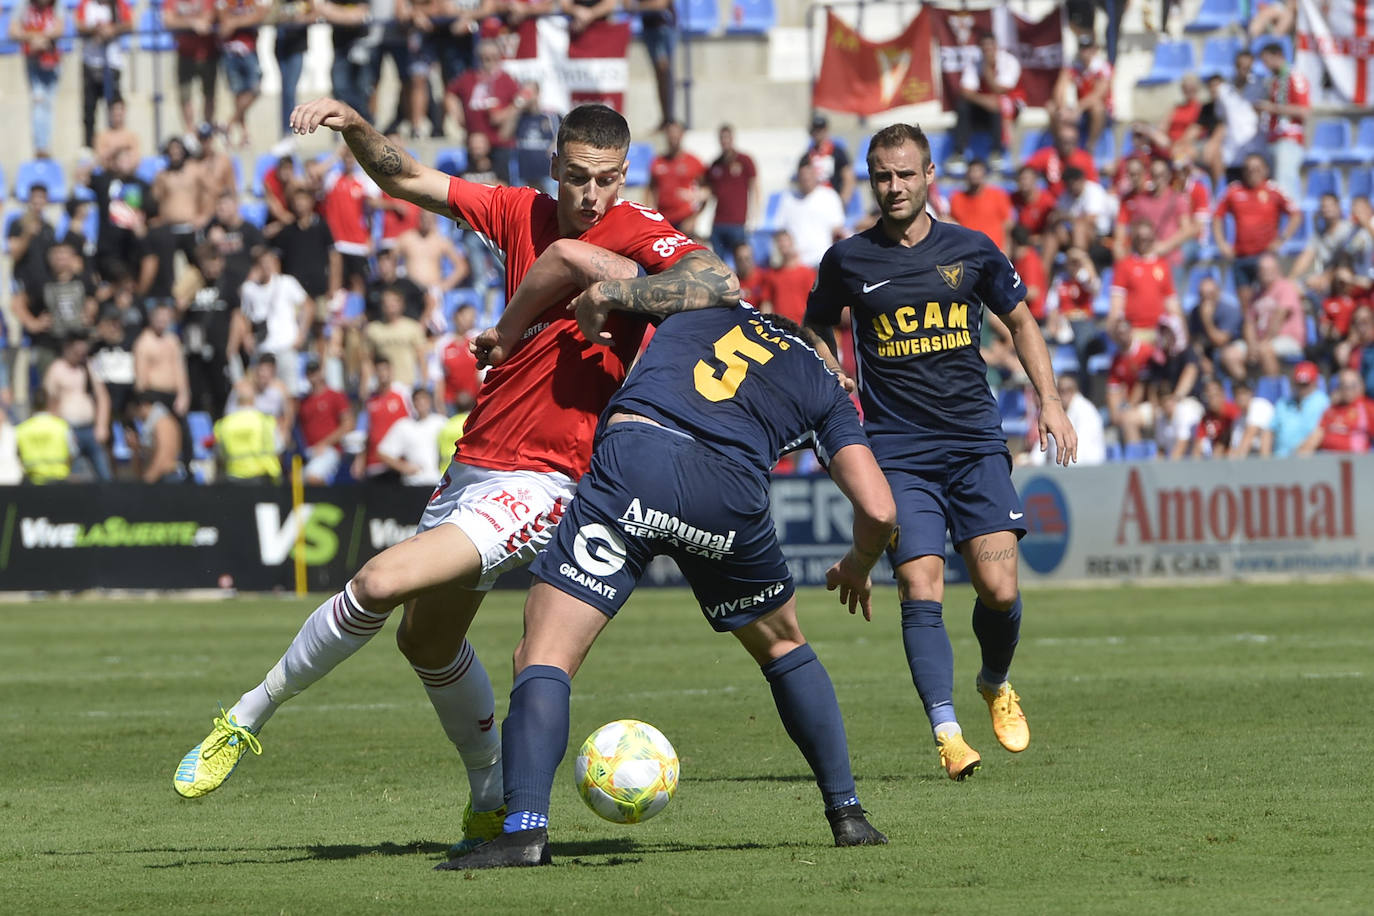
{"points": [[1026, 261], [830, 159], [983, 207], [1033, 203], [325, 417], [790, 282], [1070, 306], [1168, 211], [1126, 389], [733, 181], [398, 217], [1181, 130], [238, 23], [1283, 114], [349, 196], [390, 401], [38, 26], [753, 280], [1052, 160], [1215, 430], [483, 101], [987, 100], [675, 181], [1258, 206], [1346, 425], [193, 24], [459, 379], [1089, 74], [1143, 285]]}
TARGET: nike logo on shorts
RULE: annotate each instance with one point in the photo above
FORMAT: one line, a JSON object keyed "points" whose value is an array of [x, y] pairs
{"points": [[868, 288], [1014, 515]]}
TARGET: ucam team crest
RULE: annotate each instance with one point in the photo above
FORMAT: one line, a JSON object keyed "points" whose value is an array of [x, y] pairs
{"points": [[952, 274]]}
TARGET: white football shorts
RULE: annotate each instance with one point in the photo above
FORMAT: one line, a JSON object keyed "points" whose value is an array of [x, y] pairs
{"points": [[508, 515]]}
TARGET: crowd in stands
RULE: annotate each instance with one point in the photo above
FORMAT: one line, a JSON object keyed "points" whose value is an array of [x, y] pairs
{"points": [[1205, 287]]}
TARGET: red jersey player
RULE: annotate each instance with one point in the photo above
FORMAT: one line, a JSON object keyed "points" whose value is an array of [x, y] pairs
{"points": [[525, 443]]}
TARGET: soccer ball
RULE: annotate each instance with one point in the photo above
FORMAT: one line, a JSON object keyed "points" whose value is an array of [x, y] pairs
{"points": [[626, 771]]}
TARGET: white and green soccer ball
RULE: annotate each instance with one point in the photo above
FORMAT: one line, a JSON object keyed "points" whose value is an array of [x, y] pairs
{"points": [[626, 771]]}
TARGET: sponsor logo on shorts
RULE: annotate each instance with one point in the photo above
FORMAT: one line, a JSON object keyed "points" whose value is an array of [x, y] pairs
{"points": [[653, 524], [768, 593], [599, 550], [515, 503], [596, 585], [537, 525]]}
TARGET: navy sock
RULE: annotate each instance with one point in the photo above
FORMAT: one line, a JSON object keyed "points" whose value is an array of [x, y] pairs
{"points": [[998, 633], [930, 656], [534, 737], [811, 714]]}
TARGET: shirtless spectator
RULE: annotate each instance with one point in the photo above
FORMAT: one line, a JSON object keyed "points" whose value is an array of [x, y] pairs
{"points": [[1215, 430], [76, 395], [1347, 424], [157, 448], [280, 313], [180, 193], [325, 418], [117, 136], [160, 362], [220, 177], [397, 339], [198, 53], [422, 252]]}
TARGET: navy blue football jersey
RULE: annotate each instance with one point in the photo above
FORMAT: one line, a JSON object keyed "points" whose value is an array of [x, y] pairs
{"points": [[917, 315], [734, 381]]}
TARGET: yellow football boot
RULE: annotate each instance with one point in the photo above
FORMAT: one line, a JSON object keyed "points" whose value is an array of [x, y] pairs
{"points": [[207, 765], [958, 759], [478, 827], [1008, 721]]}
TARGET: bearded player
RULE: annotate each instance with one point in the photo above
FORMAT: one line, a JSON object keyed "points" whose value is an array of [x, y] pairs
{"points": [[524, 446], [916, 289]]}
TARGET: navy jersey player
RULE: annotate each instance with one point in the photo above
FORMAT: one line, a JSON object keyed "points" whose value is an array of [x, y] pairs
{"points": [[681, 468], [916, 289]]}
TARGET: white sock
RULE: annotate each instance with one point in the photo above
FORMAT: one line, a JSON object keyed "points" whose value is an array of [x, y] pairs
{"points": [[337, 629], [461, 695], [946, 728]]}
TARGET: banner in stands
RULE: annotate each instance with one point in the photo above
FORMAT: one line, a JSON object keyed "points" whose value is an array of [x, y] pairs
{"points": [[571, 69], [1037, 45], [1336, 37], [1215, 520], [866, 77]]}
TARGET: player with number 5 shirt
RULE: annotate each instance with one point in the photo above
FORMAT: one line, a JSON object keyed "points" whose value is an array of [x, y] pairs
{"points": [[525, 443]]}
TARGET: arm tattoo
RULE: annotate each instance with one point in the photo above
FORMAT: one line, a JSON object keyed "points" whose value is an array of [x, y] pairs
{"points": [[700, 280], [375, 153]]}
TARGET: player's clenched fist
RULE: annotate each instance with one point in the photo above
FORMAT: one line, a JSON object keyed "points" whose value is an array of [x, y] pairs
{"points": [[329, 113]]}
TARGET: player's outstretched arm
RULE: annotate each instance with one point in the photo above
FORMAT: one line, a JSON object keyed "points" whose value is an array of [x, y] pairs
{"points": [[394, 170], [699, 280], [1035, 359], [567, 266], [856, 472]]}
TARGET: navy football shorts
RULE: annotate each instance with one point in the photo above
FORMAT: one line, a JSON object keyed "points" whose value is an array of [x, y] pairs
{"points": [[654, 491], [969, 494]]}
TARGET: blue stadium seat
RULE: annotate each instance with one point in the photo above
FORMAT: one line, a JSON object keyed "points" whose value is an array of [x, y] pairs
{"points": [[237, 163], [1284, 41], [1331, 138], [7, 46], [149, 166], [451, 159], [1102, 303], [752, 17], [855, 209], [4, 188], [939, 148], [1104, 153], [1214, 15], [1361, 183], [1064, 359], [255, 212], [67, 43], [1113, 453], [1272, 388], [698, 17], [41, 171], [1219, 56], [1362, 149], [1011, 406], [640, 156], [1322, 181], [769, 223], [456, 298], [83, 194], [1195, 277], [1172, 60], [201, 429], [861, 159], [1140, 451], [762, 243], [1033, 140], [151, 35]]}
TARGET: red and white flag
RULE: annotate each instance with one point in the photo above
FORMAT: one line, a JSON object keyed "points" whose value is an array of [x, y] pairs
{"points": [[570, 69], [865, 77], [1037, 45], [1336, 37]]}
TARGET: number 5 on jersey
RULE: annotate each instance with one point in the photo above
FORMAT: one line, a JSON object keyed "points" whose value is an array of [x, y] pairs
{"points": [[736, 351]]}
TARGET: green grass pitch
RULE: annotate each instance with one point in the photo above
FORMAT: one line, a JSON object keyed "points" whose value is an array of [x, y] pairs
{"points": [[1193, 751]]}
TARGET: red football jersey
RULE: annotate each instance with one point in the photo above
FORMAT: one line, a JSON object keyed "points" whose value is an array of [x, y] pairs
{"points": [[1075, 298], [1257, 212], [1087, 77], [1346, 427], [1129, 364], [344, 211], [1050, 164], [321, 414], [1216, 427], [674, 182], [393, 223], [1287, 87], [383, 410], [538, 410], [1034, 213], [789, 288], [459, 368], [1146, 282]]}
